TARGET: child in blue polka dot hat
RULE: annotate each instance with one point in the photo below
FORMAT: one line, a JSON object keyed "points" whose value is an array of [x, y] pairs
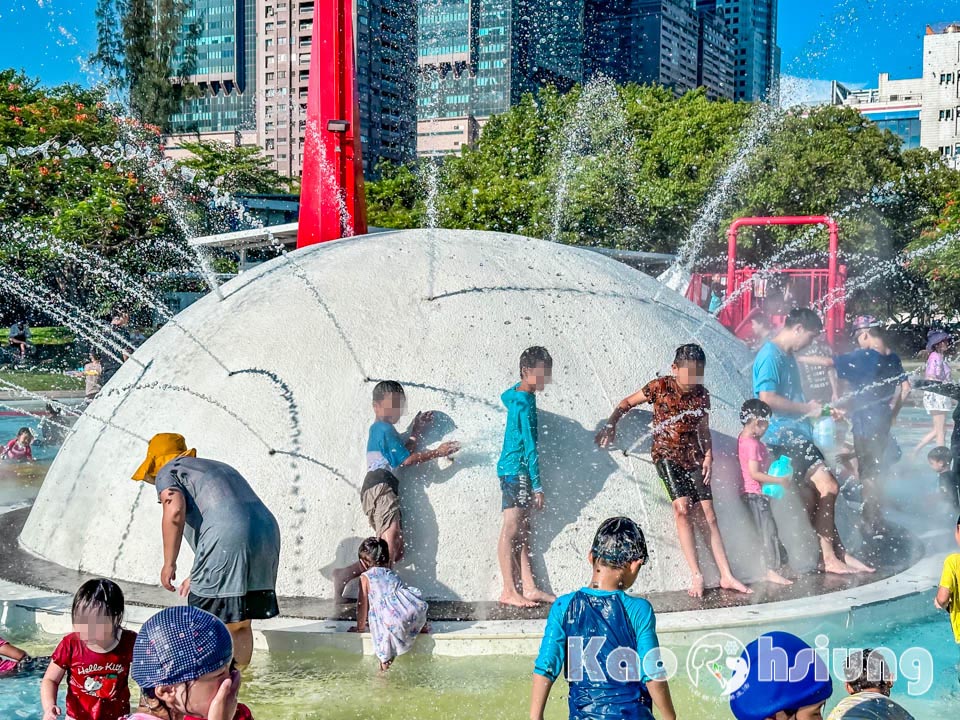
{"points": [[183, 663]]}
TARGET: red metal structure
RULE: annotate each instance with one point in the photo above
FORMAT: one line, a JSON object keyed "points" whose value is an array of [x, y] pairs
{"points": [[750, 290], [332, 202]]}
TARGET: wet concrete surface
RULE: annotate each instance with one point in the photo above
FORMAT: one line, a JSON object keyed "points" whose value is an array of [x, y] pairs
{"points": [[891, 555]]}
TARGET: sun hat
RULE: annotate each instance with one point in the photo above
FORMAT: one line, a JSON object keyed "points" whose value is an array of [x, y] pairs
{"points": [[179, 644], [864, 322], [618, 542], [935, 337], [163, 448], [784, 673]]}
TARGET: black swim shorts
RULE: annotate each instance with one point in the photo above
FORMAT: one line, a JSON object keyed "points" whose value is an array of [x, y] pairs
{"points": [[683, 482], [255, 605]]}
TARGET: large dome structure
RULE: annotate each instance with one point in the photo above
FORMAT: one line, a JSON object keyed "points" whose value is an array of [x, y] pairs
{"points": [[276, 380]]}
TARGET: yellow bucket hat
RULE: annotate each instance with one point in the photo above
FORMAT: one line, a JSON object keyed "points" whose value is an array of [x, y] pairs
{"points": [[163, 448]]}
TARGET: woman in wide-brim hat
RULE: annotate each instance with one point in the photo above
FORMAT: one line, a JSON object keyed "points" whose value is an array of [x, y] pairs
{"points": [[237, 554], [937, 406]]}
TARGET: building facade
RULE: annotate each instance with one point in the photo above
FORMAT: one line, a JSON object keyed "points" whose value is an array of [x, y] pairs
{"points": [[477, 57], [940, 108], [386, 72], [716, 72], [226, 69], [893, 105], [753, 25], [924, 111]]}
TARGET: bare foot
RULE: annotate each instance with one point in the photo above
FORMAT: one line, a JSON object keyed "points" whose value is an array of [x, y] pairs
{"points": [[774, 577], [836, 567], [384, 666], [856, 565], [426, 629], [515, 599], [539, 596], [696, 586], [731, 583]]}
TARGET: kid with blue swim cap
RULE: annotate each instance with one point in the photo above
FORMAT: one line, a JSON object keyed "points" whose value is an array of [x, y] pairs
{"points": [[183, 662], [786, 680]]}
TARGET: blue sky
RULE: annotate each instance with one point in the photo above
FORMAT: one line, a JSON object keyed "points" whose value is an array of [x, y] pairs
{"points": [[847, 40]]}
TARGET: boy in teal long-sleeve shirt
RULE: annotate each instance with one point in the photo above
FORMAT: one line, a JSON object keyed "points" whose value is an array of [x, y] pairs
{"points": [[520, 486]]}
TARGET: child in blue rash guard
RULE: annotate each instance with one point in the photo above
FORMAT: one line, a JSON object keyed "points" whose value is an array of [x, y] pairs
{"points": [[519, 473], [624, 689]]}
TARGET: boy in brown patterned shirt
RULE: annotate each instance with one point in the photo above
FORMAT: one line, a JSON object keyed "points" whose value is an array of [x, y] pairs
{"points": [[683, 455]]}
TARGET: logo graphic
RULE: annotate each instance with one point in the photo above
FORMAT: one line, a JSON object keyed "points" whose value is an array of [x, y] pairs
{"points": [[715, 666]]}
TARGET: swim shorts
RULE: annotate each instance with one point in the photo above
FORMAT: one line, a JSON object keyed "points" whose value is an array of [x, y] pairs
{"points": [[381, 504], [515, 492], [683, 482]]}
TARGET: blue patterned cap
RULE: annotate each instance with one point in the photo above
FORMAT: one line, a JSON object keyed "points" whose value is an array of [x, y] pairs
{"points": [[179, 644]]}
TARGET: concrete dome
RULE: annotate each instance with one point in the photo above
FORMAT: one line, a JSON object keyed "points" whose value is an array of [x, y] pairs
{"points": [[280, 388]]}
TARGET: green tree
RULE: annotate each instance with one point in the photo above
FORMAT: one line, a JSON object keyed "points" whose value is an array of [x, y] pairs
{"points": [[936, 256], [396, 199], [234, 169], [148, 51], [68, 186]]}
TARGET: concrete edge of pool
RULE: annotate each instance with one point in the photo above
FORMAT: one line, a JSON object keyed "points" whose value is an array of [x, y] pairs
{"points": [[906, 595]]}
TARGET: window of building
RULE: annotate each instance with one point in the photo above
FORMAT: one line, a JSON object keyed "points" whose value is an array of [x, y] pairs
{"points": [[270, 60], [281, 41], [281, 156], [268, 11], [268, 43], [266, 28], [269, 145], [269, 77]]}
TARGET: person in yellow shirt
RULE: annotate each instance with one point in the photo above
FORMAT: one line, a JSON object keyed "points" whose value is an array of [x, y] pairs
{"points": [[948, 594]]}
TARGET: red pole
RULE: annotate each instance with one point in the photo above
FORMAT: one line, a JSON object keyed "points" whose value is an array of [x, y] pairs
{"points": [[332, 202], [832, 325], [728, 312]]}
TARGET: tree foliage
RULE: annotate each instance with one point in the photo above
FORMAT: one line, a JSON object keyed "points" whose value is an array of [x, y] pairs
{"points": [[234, 169], [147, 49]]}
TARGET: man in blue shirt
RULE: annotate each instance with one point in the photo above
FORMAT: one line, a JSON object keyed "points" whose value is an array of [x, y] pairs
{"points": [[776, 381]]}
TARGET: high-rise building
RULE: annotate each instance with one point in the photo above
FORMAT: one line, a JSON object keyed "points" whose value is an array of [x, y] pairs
{"points": [[940, 111], [225, 72], [386, 80], [753, 24], [666, 39], [477, 57], [924, 111], [715, 54]]}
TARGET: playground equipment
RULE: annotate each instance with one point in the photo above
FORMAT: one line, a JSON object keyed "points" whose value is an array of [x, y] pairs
{"points": [[747, 291], [332, 202]]}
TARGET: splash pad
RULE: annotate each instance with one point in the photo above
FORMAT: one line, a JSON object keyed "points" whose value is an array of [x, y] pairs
{"points": [[276, 380]]}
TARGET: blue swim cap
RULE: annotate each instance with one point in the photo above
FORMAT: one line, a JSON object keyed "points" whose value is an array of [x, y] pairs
{"points": [[785, 674], [179, 644]]}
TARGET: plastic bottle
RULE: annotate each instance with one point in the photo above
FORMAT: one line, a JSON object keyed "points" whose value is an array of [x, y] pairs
{"points": [[779, 468]]}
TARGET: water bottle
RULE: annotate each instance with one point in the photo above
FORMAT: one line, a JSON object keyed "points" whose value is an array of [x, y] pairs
{"points": [[825, 431], [780, 468]]}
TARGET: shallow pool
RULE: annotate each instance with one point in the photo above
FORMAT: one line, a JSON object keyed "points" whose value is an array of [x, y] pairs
{"points": [[337, 685]]}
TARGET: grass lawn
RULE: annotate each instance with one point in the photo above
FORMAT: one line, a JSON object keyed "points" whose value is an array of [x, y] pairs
{"points": [[39, 381], [43, 335]]}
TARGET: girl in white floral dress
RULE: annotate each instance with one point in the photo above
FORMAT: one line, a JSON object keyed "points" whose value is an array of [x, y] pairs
{"points": [[394, 613]]}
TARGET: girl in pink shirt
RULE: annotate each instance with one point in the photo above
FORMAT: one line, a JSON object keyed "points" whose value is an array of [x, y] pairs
{"points": [[18, 449], [754, 461], [937, 406]]}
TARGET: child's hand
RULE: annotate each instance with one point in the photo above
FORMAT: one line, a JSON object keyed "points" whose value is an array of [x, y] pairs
{"points": [[422, 420], [184, 590], [538, 500], [52, 713], [448, 448], [606, 436], [707, 468], [224, 705]]}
